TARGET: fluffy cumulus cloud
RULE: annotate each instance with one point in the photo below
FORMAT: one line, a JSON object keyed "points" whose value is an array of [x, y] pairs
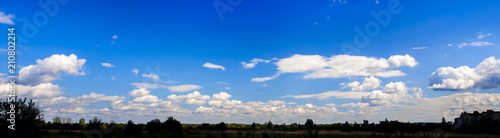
{"points": [[146, 99], [368, 84], [193, 98], [221, 96], [396, 87], [50, 69], [486, 75], [139, 92], [392, 93], [6, 18], [213, 66], [337, 66]]}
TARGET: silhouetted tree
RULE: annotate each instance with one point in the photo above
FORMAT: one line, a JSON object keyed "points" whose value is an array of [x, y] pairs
{"points": [[132, 129], [82, 122], [221, 126], [173, 126], [56, 120], [154, 126], [309, 123], [94, 123], [69, 120], [28, 117], [269, 124]]}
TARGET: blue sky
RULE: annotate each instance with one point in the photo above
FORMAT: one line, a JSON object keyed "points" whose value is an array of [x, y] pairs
{"points": [[290, 40]]}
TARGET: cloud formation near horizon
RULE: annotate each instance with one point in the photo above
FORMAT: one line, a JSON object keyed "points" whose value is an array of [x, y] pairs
{"points": [[486, 75]]}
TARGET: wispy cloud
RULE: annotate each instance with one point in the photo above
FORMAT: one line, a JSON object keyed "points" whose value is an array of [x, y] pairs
{"points": [[482, 35], [152, 76], [418, 48], [107, 65], [328, 94], [474, 44], [6, 19], [213, 66], [113, 39], [135, 71]]}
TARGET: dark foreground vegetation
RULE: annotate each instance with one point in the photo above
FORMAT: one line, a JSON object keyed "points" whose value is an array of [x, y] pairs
{"points": [[30, 123]]}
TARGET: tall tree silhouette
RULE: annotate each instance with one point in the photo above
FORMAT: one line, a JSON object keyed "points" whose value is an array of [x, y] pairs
{"points": [[173, 126], [28, 117]]}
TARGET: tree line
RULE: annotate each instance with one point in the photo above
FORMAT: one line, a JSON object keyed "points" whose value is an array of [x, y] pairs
{"points": [[30, 123]]}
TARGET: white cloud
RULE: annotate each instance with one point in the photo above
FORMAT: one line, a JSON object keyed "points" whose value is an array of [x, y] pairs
{"points": [[254, 62], [192, 98], [368, 84], [179, 88], [393, 92], [43, 90], [396, 87], [476, 44], [400, 60], [379, 98], [6, 19], [301, 63], [113, 39], [316, 66], [107, 65], [328, 94], [100, 97], [449, 106], [276, 102], [227, 88], [150, 85], [139, 92], [221, 96], [486, 75], [49, 69], [202, 109], [184, 88], [152, 76], [213, 66], [135, 71], [265, 85], [146, 99], [481, 35], [265, 78], [418, 48]]}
